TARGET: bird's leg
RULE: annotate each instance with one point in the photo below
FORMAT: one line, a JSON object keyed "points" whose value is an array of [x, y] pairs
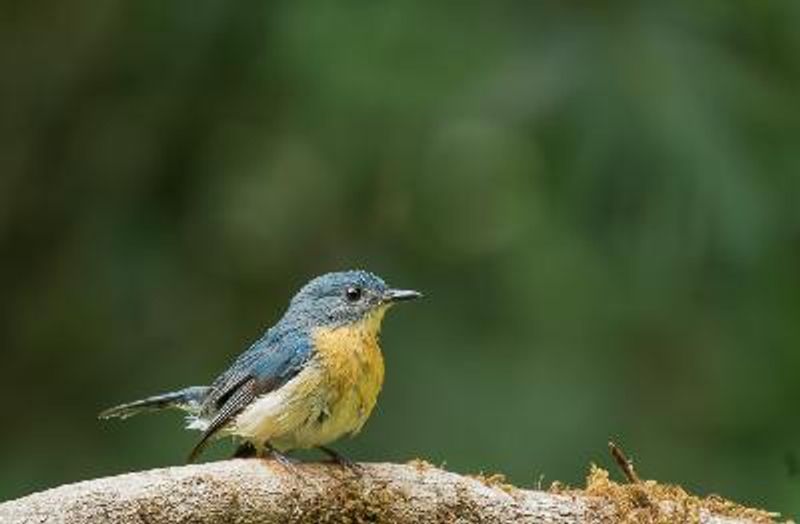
{"points": [[340, 459], [245, 450], [286, 461]]}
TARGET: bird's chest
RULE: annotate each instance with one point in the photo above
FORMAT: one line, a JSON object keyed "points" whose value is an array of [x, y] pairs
{"points": [[353, 371]]}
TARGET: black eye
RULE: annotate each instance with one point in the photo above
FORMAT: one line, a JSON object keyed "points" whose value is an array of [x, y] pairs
{"points": [[353, 293]]}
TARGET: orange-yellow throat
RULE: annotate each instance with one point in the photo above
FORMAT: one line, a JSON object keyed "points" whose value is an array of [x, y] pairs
{"points": [[354, 363]]}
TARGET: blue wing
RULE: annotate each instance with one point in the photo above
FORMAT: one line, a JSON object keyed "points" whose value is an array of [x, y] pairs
{"points": [[267, 365]]}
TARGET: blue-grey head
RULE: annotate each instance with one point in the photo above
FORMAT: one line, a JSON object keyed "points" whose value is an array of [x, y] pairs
{"points": [[345, 297]]}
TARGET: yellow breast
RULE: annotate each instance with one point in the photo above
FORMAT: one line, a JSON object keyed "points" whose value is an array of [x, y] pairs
{"points": [[332, 397], [354, 367]]}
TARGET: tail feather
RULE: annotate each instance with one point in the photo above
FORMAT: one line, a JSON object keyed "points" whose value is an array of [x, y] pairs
{"points": [[189, 400]]}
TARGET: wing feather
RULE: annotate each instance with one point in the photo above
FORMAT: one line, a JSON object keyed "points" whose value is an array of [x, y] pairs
{"points": [[269, 363], [236, 402]]}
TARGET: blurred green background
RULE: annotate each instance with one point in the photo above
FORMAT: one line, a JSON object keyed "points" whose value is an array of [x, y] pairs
{"points": [[600, 203]]}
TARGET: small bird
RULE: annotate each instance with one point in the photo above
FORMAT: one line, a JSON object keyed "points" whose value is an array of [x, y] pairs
{"points": [[311, 379]]}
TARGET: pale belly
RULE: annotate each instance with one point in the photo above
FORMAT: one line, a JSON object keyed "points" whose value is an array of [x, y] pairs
{"points": [[331, 398]]}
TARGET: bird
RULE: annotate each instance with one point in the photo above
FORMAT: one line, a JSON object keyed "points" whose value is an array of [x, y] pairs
{"points": [[309, 380]]}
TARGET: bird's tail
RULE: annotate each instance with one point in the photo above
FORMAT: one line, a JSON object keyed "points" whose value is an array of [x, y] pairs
{"points": [[188, 399]]}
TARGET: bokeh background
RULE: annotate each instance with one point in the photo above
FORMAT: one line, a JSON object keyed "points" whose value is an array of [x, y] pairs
{"points": [[600, 203]]}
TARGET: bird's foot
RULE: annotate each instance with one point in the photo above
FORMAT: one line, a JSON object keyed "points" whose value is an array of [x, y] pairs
{"points": [[245, 450], [338, 458], [288, 463]]}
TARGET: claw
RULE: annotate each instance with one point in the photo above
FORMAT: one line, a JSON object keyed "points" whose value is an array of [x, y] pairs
{"points": [[340, 459], [288, 463]]}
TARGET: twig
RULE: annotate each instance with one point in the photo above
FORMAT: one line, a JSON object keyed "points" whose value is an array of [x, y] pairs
{"points": [[624, 463]]}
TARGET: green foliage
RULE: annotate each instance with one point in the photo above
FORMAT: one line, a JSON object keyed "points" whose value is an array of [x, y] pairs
{"points": [[600, 204]]}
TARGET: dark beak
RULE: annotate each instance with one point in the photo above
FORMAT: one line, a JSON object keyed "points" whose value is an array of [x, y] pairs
{"points": [[397, 295]]}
